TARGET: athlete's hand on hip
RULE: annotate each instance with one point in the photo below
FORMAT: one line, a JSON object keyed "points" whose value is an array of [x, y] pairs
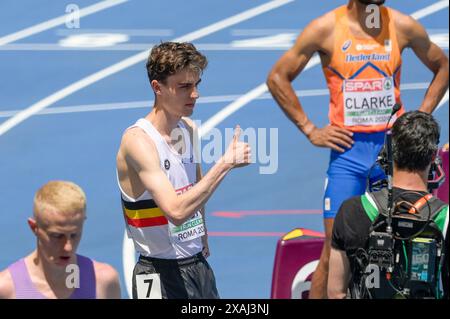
{"points": [[331, 136], [238, 153]]}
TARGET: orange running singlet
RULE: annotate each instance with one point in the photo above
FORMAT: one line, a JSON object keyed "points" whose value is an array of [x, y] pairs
{"points": [[364, 76]]}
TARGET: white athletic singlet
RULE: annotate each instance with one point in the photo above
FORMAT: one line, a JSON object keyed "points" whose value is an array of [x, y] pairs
{"points": [[152, 233]]}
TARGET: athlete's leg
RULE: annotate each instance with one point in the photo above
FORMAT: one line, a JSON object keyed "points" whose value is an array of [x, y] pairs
{"points": [[340, 186], [320, 277], [347, 176]]}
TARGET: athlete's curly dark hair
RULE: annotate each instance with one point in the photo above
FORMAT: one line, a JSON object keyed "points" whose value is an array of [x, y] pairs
{"points": [[415, 139], [168, 58]]}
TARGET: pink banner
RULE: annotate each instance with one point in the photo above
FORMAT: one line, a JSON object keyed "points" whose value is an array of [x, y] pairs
{"points": [[296, 259], [442, 192]]}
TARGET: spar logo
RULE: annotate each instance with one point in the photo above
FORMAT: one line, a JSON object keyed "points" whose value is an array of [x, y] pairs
{"points": [[367, 85]]}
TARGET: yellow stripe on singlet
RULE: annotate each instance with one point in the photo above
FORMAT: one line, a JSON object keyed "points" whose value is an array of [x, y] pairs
{"points": [[144, 213]]}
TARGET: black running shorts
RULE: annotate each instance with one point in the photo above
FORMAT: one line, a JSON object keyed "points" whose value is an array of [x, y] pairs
{"points": [[187, 278]]}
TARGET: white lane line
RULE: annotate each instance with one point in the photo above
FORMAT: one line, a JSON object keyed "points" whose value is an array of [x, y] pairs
{"points": [[286, 40], [422, 13], [262, 88], [439, 36], [233, 20], [58, 21], [130, 32], [231, 108], [133, 47], [127, 105], [262, 32], [443, 101], [243, 100], [97, 76]]}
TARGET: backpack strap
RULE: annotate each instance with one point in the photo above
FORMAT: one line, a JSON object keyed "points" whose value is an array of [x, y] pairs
{"points": [[441, 218], [380, 199], [375, 205], [435, 204]]}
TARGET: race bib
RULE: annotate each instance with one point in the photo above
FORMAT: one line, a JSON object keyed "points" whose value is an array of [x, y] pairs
{"points": [[368, 101], [148, 286], [190, 230]]}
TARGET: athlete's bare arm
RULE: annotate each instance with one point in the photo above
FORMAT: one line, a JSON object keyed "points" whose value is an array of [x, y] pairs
{"points": [[193, 132], [339, 274], [316, 37], [206, 252], [107, 281], [411, 34], [6, 285], [141, 155]]}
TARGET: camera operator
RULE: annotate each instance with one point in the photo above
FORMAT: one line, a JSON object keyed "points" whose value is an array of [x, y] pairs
{"points": [[415, 138]]}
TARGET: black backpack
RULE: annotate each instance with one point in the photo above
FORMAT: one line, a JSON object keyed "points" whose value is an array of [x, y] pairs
{"points": [[416, 251]]}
